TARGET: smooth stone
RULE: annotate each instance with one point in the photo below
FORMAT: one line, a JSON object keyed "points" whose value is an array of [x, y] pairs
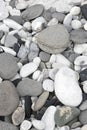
{"points": [[65, 114], [7, 126], [48, 85], [27, 25], [21, 5], [18, 19], [64, 128], [29, 87], [83, 75], [1, 34], [78, 128], [48, 118], [38, 124], [12, 3], [59, 16], [33, 12], [47, 15], [75, 2], [10, 40], [38, 24], [14, 12], [83, 117], [44, 56], [75, 125], [18, 116], [52, 73], [83, 106], [9, 98], [75, 10], [67, 77], [26, 125], [85, 26], [28, 104], [36, 74], [67, 20], [41, 101], [78, 36], [52, 22], [80, 48], [76, 24], [84, 127], [8, 66], [55, 44], [84, 86], [84, 10], [16, 47]]}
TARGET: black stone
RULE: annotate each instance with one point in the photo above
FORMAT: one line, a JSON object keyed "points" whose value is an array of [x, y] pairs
{"points": [[2, 118], [84, 11], [28, 104], [16, 81], [16, 47], [83, 75]]}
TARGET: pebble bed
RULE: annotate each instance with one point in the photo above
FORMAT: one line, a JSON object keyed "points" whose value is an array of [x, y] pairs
{"points": [[43, 64]]}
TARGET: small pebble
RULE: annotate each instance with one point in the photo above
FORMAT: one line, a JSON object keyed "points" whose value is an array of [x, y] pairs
{"points": [[48, 85], [26, 125], [39, 125], [75, 10], [76, 24], [44, 56]]}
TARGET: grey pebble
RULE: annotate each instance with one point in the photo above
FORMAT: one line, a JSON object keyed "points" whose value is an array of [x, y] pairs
{"points": [[9, 98], [32, 12], [10, 40], [53, 39], [8, 66], [78, 36], [83, 106], [7, 126], [59, 16], [83, 117], [18, 19], [47, 15], [12, 3], [1, 34], [29, 87], [44, 56], [76, 124]]}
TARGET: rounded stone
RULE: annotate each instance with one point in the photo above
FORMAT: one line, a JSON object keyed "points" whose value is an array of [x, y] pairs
{"points": [[8, 66], [53, 39], [33, 12], [9, 99], [83, 117], [44, 56], [29, 87]]}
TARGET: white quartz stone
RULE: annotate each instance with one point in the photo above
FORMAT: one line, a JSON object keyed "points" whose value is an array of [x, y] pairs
{"points": [[27, 25], [67, 88], [36, 74], [67, 20], [4, 28], [76, 24], [75, 10], [85, 26], [48, 85], [52, 22], [80, 48], [26, 125], [38, 124]]}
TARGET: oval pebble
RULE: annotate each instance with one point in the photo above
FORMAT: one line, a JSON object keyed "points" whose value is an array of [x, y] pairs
{"points": [[48, 85], [76, 24], [38, 124], [75, 10], [36, 74], [26, 125]]}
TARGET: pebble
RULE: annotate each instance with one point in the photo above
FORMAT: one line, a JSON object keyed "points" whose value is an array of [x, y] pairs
{"points": [[84, 86], [80, 48], [14, 12], [4, 28], [10, 40], [52, 22], [21, 5], [38, 24], [83, 10], [76, 124], [55, 44], [29, 87], [47, 15], [76, 24], [67, 21], [8, 66], [83, 106], [52, 73], [83, 75], [12, 24], [26, 125], [9, 98], [33, 12], [41, 101], [7, 126], [17, 19], [18, 116], [38, 124], [27, 25], [48, 85], [36, 74], [44, 56], [84, 127], [64, 128], [85, 26], [83, 117], [67, 77], [75, 10], [23, 52], [59, 16], [78, 36], [48, 118], [65, 114]]}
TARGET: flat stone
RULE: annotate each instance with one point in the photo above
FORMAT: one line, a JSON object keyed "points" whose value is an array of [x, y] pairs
{"points": [[75, 125], [83, 106], [18, 19], [53, 39], [47, 15], [29, 87], [7, 126], [83, 117], [33, 12], [8, 66], [78, 36], [59, 16], [65, 114], [12, 3], [26, 125], [9, 99], [44, 56], [41, 101]]}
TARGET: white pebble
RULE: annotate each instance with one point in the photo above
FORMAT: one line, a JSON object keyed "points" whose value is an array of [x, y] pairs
{"points": [[17, 76], [21, 5], [38, 124], [75, 10], [83, 21], [80, 48], [37, 61], [52, 73], [4, 28], [19, 65], [76, 24], [84, 127], [67, 20], [26, 125], [22, 33], [52, 22], [36, 74], [38, 24], [85, 26], [27, 25], [12, 24], [48, 85], [81, 60], [53, 58], [14, 12]]}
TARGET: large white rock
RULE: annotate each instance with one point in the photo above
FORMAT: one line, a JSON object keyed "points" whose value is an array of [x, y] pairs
{"points": [[67, 88], [48, 118]]}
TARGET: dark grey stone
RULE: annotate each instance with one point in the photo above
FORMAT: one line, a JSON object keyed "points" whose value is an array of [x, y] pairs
{"points": [[44, 56], [59, 16], [83, 117]]}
